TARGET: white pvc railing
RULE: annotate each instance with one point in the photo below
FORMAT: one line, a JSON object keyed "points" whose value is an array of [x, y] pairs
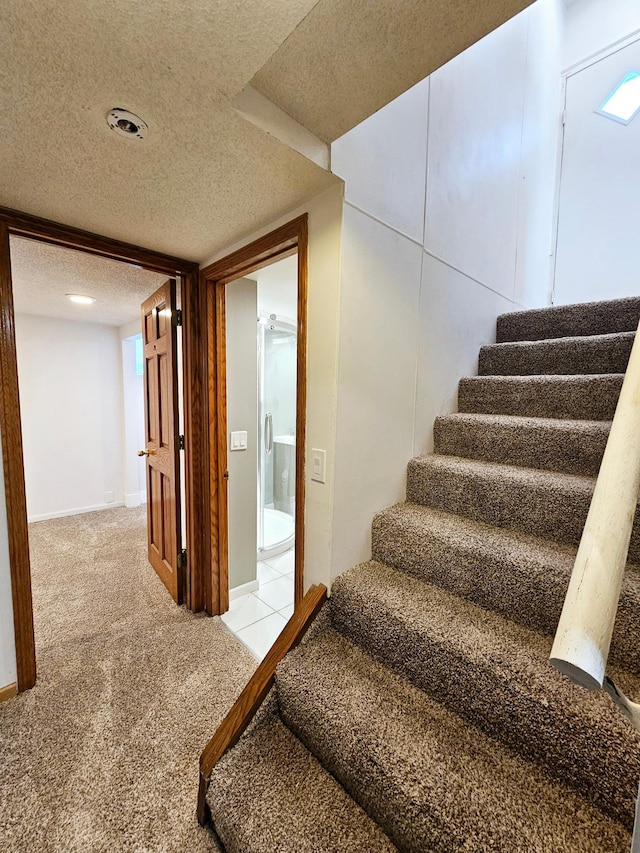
{"points": [[583, 636]]}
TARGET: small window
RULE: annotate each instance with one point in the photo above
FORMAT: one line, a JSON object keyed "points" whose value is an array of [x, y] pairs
{"points": [[139, 356], [623, 103]]}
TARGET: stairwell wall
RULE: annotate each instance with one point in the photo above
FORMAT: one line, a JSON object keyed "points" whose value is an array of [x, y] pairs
{"points": [[447, 224]]}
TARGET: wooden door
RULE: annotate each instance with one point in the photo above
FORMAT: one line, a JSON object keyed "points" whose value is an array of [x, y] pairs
{"points": [[159, 321]]}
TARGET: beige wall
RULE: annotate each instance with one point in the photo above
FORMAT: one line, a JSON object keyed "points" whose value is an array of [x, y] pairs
{"points": [[242, 414], [325, 231]]}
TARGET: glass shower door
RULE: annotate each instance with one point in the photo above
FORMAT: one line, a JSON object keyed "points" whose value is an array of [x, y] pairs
{"points": [[277, 370]]}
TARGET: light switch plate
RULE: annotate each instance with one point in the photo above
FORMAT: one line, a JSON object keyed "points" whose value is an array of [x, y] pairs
{"points": [[238, 440], [318, 465]]}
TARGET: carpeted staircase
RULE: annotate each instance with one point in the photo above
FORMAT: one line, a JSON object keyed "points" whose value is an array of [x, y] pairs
{"points": [[420, 713]]}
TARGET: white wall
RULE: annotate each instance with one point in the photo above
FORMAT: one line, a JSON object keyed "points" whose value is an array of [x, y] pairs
{"points": [[325, 232], [278, 288], [447, 223], [70, 378], [135, 480], [595, 24]]}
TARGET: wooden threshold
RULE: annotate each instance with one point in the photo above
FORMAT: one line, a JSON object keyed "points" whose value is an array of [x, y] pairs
{"points": [[16, 223]]}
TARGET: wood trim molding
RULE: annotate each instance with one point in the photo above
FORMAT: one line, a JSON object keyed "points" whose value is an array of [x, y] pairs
{"points": [[8, 692], [288, 239], [12, 459], [13, 222], [45, 231], [254, 694]]}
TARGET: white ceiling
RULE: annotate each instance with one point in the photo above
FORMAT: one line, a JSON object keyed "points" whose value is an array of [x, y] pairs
{"points": [[42, 275], [204, 176]]}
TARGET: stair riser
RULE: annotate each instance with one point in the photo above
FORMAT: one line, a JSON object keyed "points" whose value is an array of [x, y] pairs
{"points": [[314, 723], [601, 768], [578, 399], [528, 591], [594, 318], [576, 356], [529, 446], [533, 508], [426, 776]]}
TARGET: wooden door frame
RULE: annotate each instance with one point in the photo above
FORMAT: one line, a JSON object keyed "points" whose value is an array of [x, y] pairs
{"points": [[15, 223], [284, 241]]}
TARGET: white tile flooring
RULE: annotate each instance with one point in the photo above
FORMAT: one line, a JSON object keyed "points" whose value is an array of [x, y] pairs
{"points": [[257, 618]]}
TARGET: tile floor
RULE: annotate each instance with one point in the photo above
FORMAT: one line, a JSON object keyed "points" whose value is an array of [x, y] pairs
{"points": [[258, 618]]}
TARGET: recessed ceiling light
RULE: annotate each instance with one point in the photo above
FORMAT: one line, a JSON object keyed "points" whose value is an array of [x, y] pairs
{"points": [[127, 124], [80, 299], [623, 103]]}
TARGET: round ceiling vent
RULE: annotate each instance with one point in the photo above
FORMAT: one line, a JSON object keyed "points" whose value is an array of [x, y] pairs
{"points": [[127, 124]]}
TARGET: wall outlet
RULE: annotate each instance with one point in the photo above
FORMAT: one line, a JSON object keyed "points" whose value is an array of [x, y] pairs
{"points": [[108, 497]]}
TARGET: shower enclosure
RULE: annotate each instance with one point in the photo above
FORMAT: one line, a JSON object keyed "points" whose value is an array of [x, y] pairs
{"points": [[277, 370]]}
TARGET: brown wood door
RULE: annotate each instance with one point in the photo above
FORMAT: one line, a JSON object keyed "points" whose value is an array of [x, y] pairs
{"points": [[161, 434]]}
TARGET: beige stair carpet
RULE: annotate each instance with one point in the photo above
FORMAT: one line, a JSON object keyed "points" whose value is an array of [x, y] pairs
{"points": [[422, 711], [102, 755]]}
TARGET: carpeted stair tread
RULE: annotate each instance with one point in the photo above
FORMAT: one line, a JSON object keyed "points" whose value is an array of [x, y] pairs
{"points": [[587, 318], [496, 675], [520, 576], [588, 397], [542, 503], [429, 779], [574, 355], [572, 446], [270, 794]]}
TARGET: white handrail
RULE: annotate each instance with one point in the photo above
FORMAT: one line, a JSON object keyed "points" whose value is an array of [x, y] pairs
{"points": [[581, 645]]}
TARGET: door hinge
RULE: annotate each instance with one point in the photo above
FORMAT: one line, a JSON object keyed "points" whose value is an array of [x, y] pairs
{"points": [[176, 317], [182, 559], [225, 476], [180, 442]]}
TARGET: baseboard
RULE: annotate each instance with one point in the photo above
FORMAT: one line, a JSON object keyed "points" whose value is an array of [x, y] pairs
{"points": [[8, 692], [135, 499], [243, 589], [80, 511]]}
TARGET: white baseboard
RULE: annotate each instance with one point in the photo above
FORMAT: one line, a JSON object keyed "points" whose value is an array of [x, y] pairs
{"points": [[79, 511], [243, 589], [135, 499]]}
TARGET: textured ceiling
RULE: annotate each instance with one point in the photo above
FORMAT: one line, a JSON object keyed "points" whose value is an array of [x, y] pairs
{"points": [[346, 60], [42, 275], [204, 176]]}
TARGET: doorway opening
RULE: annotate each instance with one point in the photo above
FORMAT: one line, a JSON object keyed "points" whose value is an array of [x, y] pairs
{"points": [[279, 482], [82, 405], [43, 233], [261, 347]]}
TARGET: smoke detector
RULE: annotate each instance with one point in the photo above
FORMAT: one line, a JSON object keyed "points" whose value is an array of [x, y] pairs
{"points": [[127, 124]]}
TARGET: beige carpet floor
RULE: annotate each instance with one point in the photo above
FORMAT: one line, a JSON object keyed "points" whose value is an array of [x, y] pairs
{"points": [[102, 755]]}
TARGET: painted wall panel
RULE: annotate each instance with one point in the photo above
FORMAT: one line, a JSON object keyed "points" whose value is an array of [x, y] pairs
{"points": [[71, 400], [475, 134], [457, 317], [376, 378], [384, 162], [595, 24]]}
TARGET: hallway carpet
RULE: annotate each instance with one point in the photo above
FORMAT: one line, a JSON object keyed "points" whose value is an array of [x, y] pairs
{"points": [[102, 755]]}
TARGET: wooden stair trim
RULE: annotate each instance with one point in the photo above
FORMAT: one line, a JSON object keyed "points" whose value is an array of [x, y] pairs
{"points": [[254, 694]]}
